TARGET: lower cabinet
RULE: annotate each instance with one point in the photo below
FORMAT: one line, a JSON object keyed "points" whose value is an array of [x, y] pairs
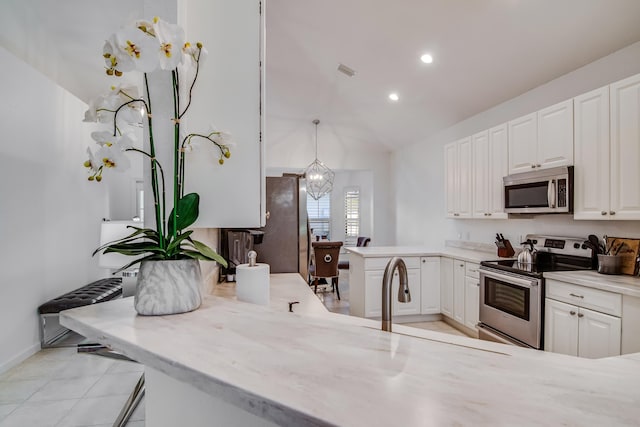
{"points": [[577, 331], [446, 286], [581, 321], [373, 275], [430, 284], [460, 291]]}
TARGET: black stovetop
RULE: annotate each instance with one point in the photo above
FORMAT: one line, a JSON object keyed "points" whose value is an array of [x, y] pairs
{"points": [[545, 262]]}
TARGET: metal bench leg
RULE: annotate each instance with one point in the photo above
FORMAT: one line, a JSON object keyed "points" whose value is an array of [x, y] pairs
{"points": [[132, 403]]}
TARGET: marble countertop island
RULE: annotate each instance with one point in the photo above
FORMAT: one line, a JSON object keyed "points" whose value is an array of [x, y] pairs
{"points": [[315, 368]]}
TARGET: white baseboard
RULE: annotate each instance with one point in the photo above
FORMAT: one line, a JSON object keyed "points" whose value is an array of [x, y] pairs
{"points": [[19, 358]]}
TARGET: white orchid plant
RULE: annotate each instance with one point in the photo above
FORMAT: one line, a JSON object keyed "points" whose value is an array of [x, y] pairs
{"points": [[147, 46]]}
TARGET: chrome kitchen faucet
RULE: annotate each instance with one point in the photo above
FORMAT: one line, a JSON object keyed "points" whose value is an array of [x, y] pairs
{"points": [[404, 295]]}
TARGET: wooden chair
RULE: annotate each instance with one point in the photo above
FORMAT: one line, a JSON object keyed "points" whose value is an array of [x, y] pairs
{"points": [[362, 241], [325, 264]]}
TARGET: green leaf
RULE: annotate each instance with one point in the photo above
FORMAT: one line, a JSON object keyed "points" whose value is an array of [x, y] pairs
{"points": [[187, 212], [136, 261], [147, 232], [208, 253], [176, 243]]}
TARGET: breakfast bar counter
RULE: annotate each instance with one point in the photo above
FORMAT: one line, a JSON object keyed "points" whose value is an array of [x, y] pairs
{"points": [[234, 363]]}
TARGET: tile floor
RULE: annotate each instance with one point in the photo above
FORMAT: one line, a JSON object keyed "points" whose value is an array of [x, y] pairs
{"points": [[62, 388]]}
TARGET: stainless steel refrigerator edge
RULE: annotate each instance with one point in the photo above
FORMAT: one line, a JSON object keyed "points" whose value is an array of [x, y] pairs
{"points": [[285, 246]]}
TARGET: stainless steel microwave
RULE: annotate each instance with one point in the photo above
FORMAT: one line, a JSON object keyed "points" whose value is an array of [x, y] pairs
{"points": [[539, 192]]}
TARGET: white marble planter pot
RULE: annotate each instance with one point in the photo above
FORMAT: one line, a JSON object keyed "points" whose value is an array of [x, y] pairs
{"points": [[168, 287]]}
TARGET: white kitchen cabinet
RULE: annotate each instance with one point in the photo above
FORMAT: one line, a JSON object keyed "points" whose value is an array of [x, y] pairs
{"points": [[578, 331], [458, 290], [457, 158], [373, 275], [490, 165], [471, 302], [523, 141], [592, 160], [607, 152], [582, 321], [229, 92], [430, 285], [625, 149], [543, 139], [446, 286]]}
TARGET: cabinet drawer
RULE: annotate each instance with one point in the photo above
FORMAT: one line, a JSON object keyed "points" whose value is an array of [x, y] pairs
{"points": [[381, 263], [595, 299], [472, 270]]}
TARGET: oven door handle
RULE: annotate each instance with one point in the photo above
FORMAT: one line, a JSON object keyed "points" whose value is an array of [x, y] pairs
{"points": [[525, 283]]}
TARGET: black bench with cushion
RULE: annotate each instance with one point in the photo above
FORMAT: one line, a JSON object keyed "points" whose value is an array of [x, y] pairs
{"points": [[101, 290]]}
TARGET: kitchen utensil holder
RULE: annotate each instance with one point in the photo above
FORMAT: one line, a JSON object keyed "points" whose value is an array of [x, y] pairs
{"points": [[507, 251], [609, 264]]}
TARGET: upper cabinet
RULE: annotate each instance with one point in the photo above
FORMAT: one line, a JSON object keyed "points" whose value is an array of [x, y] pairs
{"points": [[625, 149], [490, 165], [591, 172], [457, 158], [229, 93], [543, 139], [607, 150]]}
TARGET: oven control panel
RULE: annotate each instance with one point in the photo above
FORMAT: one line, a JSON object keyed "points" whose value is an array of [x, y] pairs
{"points": [[560, 245]]}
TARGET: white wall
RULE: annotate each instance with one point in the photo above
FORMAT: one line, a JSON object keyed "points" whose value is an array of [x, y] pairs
{"points": [[418, 170], [50, 213], [291, 145]]}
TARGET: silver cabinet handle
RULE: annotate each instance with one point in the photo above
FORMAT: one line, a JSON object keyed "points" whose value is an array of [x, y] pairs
{"points": [[478, 284], [424, 260], [603, 213], [538, 166], [612, 212], [533, 166], [580, 315], [461, 265], [489, 214], [573, 313], [577, 296]]}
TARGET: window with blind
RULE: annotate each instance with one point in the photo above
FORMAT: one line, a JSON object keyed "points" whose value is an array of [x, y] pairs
{"points": [[351, 216], [319, 212]]}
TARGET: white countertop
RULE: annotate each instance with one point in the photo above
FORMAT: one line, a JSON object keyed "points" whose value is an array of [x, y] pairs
{"points": [[312, 367], [625, 285], [407, 251]]}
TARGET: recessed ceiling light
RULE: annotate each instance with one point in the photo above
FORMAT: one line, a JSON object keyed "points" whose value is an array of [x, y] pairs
{"points": [[426, 58], [394, 96]]}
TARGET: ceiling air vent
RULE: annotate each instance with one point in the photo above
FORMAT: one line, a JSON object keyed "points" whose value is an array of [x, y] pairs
{"points": [[346, 70]]}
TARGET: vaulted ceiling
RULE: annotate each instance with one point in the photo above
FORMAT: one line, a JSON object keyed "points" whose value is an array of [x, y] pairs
{"points": [[485, 52]]}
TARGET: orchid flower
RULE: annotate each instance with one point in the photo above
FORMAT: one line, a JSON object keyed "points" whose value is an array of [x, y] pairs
{"points": [[171, 40], [107, 139], [134, 50], [95, 171], [112, 157]]}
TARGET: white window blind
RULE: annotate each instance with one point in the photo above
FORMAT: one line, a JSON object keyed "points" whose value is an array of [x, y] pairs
{"points": [[351, 216], [319, 212]]}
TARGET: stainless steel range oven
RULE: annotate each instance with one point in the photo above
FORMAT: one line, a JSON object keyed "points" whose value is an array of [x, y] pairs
{"points": [[510, 308], [512, 294]]}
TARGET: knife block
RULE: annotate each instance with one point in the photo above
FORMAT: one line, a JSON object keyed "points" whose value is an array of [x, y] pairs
{"points": [[507, 251]]}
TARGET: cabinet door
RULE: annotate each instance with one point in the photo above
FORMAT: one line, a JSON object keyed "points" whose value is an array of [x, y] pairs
{"points": [[458, 291], [430, 285], [446, 286], [625, 149], [555, 135], [481, 168], [599, 334], [230, 95], [451, 179], [464, 178], [560, 328], [591, 149], [523, 139], [498, 167], [373, 293], [412, 307], [471, 302]]}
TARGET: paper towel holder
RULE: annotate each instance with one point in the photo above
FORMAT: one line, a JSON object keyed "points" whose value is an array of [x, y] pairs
{"points": [[253, 256]]}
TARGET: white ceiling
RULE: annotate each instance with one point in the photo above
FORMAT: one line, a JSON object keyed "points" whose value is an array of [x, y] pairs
{"points": [[485, 51]]}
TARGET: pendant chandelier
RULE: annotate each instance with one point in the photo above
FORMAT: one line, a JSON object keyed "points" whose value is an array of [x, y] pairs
{"points": [[319, 177]]}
